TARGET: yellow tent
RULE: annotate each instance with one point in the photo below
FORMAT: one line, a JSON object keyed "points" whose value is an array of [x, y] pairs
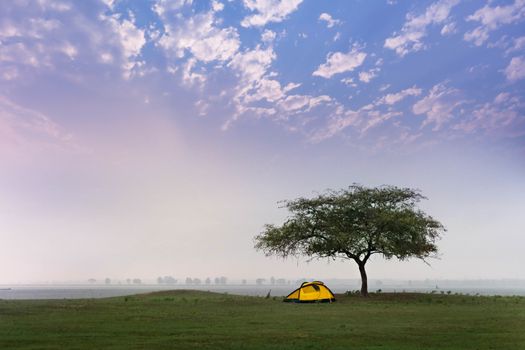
{"points": [[311, 292]]}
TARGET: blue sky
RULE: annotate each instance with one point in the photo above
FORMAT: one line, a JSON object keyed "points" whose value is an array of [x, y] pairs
{"points": [[132, 128]]}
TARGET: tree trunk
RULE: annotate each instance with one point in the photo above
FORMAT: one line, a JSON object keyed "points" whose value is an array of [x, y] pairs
{"points": [[364, 279]]}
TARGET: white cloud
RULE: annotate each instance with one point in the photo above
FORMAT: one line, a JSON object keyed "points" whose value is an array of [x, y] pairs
{"points": [[330, 22], [491, 18], [39, 39], [338, 62], [518, 44], [336, 124], [217, 6], [189, 77], [161, 7], [293, 103], [9, 73], [360, 120], [23, 54], [109, 3], [21, 127], [106, 57], [131, 39], [384, 87], [349, 82], [252, 65], [516, 69], [376, 118], [200, 36], [35, 28], [438, 105], [69, 50], [268, 11], [448, 29], [502, 98], [415, 28], [502, 116], [54, 5], [268, 36], [291, 86], [367, 76], [265, 89], [394, 98]]}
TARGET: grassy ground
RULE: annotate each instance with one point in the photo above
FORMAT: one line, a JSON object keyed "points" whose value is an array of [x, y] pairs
{"points": [[199, 320]]}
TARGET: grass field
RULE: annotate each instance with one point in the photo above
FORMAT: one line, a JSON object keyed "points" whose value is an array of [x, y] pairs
{"points": [[200, 320]]}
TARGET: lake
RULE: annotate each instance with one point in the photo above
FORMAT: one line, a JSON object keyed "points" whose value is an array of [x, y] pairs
{"points": [[103, 291]]}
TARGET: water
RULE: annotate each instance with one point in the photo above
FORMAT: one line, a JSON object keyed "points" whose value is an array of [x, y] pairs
{"points": [[103, 291]]}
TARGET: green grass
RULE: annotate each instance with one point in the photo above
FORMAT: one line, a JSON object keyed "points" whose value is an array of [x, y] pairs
{"points": [[200, 320]]}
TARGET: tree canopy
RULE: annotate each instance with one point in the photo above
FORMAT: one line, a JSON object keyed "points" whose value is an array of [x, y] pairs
{"points": [[355, 223]]}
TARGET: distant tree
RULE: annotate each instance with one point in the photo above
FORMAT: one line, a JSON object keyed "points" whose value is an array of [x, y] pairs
{"points": [[243, 281], [272, 280], [280, 281], [260, 281], [197, 281], [128, 280], [92, 280], [160, 280], [169, 280], [137, 281], [354, 224], [223, 280], [208, 280], [107, 281], [189, 280]]}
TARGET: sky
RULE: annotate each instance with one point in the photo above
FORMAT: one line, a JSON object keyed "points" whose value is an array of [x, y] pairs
{"points": [[150, 138]]}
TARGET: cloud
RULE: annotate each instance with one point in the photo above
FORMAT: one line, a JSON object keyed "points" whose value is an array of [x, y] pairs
{"points": [[449, 28], [349, 81], [361, 120], [367, 76], [189, 77], [391, 99], [330, 22], [26, 129], [162, 7], [491, 18], [217, 6], [338, 62], [268, 36], [415, 28], [268, 11], [35, 28], [518, 44], [438, 105], [500, 117], [25, 41], [251, 65], [265, 89], [516, 69], [131, 39], [294, 103], [200, 36], [35, 38]]}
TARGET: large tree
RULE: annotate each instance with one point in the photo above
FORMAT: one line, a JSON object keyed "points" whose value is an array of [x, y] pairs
{"points": [[355, 223]]}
